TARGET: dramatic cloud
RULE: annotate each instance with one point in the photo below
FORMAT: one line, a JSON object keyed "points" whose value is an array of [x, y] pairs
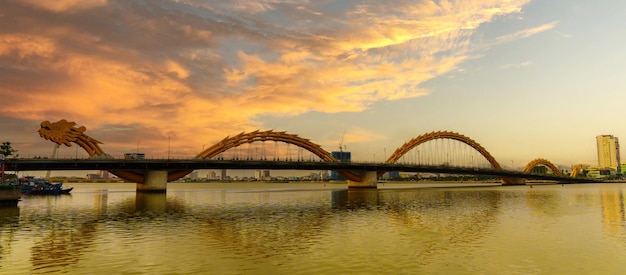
{"points": [[191, 72], [65, 5]]}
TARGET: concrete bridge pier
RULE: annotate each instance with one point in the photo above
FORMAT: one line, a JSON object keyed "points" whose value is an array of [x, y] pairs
{"points": [[369, 179], [155, 182]]}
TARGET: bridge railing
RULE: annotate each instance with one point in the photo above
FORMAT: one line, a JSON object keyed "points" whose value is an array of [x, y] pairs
{"points": [[37, 164], [229, 158], [192, 158]]}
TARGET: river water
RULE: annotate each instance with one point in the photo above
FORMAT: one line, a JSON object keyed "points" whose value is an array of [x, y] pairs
{"points": [[218, 228]]}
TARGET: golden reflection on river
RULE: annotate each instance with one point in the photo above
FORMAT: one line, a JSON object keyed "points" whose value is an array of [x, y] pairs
{"points": [[314, 228]]}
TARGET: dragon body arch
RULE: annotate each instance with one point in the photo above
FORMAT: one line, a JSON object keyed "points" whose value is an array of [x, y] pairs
{"points": [[243, 138], [407, 146], [529, 167]]}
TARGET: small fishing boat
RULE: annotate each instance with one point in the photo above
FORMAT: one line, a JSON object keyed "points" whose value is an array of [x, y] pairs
{"points": [[32, 186]]}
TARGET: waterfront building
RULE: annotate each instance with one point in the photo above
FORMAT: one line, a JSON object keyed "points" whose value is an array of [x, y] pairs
{"points": [[93, 176], [320, 175], [212, 175], [608, 152], [257, 174], [104, 174], [598, 172], [262, 175], [223, 175], [622, 167], [393, 174], [315, 176], [341, 156]]}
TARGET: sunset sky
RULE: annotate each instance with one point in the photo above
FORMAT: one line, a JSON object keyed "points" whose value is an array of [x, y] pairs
{"points": [[525, 79]]}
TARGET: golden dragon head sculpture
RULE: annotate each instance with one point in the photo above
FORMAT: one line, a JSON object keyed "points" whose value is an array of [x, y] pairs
{"points": [[65, 132]]}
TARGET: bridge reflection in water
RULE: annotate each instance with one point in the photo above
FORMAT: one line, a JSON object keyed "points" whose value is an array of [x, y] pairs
{"points": [[286, 228], [152, 202]]}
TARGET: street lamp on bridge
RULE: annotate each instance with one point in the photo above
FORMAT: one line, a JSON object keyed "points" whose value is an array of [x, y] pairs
{"points": [[385, 151]]}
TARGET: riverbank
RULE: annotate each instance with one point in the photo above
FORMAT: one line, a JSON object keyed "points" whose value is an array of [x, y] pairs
{"points": [[9, 196]]}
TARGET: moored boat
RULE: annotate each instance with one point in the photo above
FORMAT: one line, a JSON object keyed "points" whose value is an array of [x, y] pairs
{"points": [[32, 186]]}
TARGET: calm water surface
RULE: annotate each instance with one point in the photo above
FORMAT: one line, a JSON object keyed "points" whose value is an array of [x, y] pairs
{"points": [[213, 228]]}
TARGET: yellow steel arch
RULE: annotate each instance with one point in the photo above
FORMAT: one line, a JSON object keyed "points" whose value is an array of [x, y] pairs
{"points": [[407, 146], [529, 167], [271, 135], [243, 138]]}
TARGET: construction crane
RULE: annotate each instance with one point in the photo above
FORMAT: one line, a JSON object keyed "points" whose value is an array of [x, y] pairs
{"points": [[342, 146]]}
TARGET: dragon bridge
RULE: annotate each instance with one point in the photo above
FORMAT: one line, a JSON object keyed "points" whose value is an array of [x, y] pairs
{"points": [[64, 132], [544, 162]]}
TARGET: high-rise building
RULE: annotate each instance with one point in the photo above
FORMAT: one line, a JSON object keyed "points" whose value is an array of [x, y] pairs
{"points": [[341, 156], [262, 175], [212, 175], [608, 152]]}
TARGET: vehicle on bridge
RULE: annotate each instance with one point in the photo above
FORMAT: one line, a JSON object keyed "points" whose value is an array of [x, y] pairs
{"points": [[134, 156]]}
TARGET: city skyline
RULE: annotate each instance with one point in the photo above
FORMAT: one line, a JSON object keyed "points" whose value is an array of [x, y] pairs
{"points": [[525, 79]]}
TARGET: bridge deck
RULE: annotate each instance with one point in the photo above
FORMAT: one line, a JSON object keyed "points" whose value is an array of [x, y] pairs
{"points": [[194, 164]]}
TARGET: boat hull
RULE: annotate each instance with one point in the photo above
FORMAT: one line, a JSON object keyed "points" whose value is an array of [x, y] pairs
{"points": [[43, 187]]}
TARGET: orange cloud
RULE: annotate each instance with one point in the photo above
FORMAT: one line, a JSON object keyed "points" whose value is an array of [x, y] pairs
{"points": [[182, 74], [66, 5]]}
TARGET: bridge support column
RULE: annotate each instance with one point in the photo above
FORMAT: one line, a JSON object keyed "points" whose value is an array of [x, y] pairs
{"points": [[155, 181], [368, 180]]}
